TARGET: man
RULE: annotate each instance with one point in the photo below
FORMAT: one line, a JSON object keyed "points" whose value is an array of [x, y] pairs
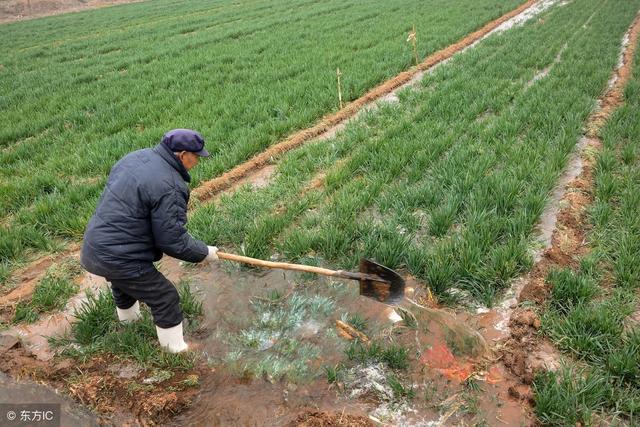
{"points": [[141, 215]]}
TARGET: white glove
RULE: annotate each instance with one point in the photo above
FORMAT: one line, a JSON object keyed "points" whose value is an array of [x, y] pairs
{"points": [[212, 256]]}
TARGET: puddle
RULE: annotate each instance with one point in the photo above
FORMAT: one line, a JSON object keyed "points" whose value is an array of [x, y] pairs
{"points": [[271, 334], [24, 392], [268, 336]]}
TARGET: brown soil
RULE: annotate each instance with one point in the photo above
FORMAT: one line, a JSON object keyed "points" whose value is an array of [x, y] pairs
{"points": [[106, 390], [209, 188], [19, 10], [324, 419], [525, 352], [29, 275]]}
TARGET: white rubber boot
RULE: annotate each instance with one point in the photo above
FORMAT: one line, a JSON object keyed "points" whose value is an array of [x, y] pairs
{"points": [[171, 339], [130, 314]]}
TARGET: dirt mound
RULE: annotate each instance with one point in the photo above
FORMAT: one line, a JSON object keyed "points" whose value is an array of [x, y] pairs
{"points": [[325, 419]]}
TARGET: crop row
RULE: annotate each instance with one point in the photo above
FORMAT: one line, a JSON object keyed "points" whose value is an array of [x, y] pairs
{"points": [[79, 91], [451, 182], [592, 314]]}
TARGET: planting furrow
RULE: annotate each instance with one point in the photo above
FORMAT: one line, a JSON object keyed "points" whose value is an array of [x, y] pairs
{"points": [[60, 103], [209, 188], [105, 127], [591, 244], [487, 181]]}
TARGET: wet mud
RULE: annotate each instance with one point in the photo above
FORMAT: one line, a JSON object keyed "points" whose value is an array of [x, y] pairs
{"points": [[445, 356], [104, 390]]}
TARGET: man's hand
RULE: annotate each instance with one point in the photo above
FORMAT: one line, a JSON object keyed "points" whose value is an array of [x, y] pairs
{"points": [[212, 256]]}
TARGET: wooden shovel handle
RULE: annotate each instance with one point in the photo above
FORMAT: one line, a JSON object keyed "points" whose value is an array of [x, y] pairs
{"points": [[295, 267]]}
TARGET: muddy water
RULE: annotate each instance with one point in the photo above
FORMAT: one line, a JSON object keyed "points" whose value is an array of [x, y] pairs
{"points": [[233, 396], [244, 388], [72, 415], [267, 337]]}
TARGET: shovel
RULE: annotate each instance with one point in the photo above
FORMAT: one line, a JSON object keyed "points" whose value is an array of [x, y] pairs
{"points": [[376, 281]]}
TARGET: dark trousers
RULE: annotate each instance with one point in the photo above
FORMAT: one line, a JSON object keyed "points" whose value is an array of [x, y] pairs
{"points": [[153, 289]]}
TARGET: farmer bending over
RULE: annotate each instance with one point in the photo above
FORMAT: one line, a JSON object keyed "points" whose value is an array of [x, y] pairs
{"points": [[141, 215]]}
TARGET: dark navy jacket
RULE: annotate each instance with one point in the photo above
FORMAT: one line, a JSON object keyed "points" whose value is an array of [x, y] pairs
{"points": [[141, 215]]}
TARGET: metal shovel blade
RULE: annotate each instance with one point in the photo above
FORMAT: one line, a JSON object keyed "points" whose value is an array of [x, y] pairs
{"points": [[389, 290]]}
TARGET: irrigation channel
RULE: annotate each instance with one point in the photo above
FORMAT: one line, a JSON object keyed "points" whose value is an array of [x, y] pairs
{"points": [[269, 341]]}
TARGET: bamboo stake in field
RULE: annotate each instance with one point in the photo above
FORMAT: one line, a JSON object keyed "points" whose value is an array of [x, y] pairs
{"points": [[412, 39], [338, 73]]}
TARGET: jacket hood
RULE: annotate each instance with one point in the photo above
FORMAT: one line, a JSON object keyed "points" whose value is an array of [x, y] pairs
{"points": [[168, 156]]}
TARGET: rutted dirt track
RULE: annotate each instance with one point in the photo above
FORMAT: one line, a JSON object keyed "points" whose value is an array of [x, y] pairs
{"points": [[525, 352], [19, 10]]}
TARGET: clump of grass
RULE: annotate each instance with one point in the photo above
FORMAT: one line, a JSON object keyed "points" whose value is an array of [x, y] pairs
{"points": [[51, 293], [191, 306], [589, 331], [408, 318], [191, 381], [570, 289], [570, 396], [25, 313], [333, 373], [95, 318], [462, 343], [356, 320], [97, 330], [394, 356], [400, 391], [442, 218]]}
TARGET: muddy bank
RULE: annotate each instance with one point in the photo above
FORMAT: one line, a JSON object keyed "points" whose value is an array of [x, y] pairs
{"points": [[106, 390]]}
